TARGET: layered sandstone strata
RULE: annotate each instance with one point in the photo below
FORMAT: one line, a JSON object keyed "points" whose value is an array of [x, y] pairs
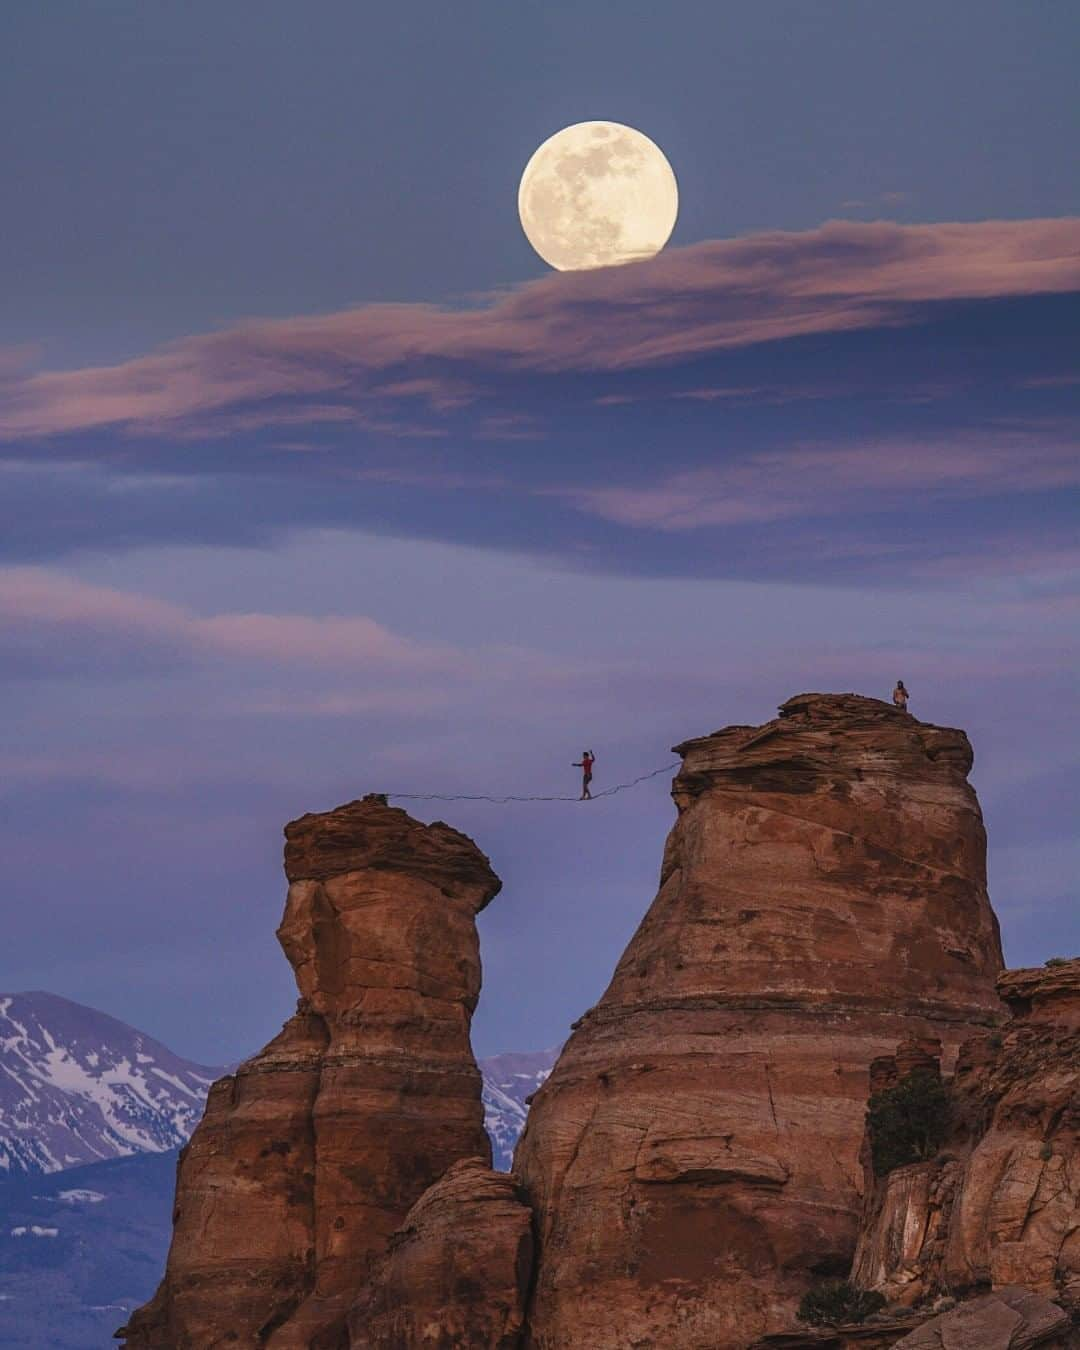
{"points": [[458, 1270], [311, 1156], [693, 1160], [1000, 1205]]}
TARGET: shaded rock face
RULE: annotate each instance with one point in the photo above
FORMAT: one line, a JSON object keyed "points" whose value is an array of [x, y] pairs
{"points": [[310, 1157], [693, 1160], [458, 1270], [1000, 1206]]}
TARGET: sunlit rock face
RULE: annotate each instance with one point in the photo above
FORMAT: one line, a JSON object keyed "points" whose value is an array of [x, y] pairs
{"points": [[314, 1152], [1000, 1204], [693, 1160]]}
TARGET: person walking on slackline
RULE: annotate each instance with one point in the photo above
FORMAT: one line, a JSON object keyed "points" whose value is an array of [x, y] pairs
{"points": [[585, 764], [900, 696]]}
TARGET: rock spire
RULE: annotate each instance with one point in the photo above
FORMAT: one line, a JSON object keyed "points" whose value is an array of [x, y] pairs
{"points": [[693, 1160], [313, 1153]]}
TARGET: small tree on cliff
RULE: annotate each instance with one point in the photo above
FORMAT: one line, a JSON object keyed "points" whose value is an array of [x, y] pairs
{"points": [[908, 1122]]}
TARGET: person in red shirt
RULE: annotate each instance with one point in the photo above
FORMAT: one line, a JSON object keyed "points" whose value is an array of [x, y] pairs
{"points": [[585, 764]]}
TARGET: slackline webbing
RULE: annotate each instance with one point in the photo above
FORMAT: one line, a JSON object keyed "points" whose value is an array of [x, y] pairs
{"points": [[480, 797]]}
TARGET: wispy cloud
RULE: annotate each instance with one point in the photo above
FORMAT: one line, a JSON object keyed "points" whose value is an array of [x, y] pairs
{"points": [[812, 481], [362, 362], [39, 598]]}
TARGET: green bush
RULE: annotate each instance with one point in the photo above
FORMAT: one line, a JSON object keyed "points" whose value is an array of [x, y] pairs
{"points": [[836, 1302], [909, 1122], [1057, 961]]}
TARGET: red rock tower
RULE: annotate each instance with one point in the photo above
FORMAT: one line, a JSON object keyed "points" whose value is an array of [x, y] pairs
{"points": [[314, 1152], [693, 1160]]}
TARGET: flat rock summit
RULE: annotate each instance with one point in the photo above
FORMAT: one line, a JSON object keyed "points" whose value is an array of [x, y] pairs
{"points": [[701, 1164]]}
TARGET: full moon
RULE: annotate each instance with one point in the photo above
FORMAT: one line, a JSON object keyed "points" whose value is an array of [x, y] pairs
{"points": [[595, 194]]}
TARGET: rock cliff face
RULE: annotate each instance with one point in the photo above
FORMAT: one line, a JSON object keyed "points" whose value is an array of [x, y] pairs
{"points": [[312, 1155], [693, 1160], [1000, 1204]]}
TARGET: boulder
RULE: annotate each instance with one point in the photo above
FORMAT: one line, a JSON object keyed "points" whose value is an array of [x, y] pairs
{"points": [[457, 1274], [1010, 1319]]}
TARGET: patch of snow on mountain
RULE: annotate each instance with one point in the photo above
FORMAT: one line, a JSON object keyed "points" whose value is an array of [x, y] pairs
{"points": [[508, 1080], [80, 1197], [77, 1086]]}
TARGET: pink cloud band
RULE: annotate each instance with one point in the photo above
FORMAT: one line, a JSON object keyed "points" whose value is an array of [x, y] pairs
{"points": [[35, 596], [356, 363]]}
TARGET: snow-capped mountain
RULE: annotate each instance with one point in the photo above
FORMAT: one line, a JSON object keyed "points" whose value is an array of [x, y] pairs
{"points": [[78, 1086], [508, 1080]]}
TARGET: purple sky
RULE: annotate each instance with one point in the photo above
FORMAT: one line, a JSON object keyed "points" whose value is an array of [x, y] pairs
{"points": [[314, 481]]}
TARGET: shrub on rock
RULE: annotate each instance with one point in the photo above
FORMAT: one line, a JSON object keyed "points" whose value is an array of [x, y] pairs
{"points": [[908, 1122], [836, 1302]]}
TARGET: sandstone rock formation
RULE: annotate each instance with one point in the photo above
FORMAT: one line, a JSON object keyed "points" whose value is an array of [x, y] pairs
{"points": [[311, 1156], [693, 1160], [458, 1270], [1000, 1206]]}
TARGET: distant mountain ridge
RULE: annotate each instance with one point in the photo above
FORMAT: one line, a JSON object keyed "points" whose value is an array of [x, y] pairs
{"points": [[78, 1086]]}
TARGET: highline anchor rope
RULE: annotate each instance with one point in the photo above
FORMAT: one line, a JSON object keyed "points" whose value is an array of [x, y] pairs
{"points": [[479, 797]]}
